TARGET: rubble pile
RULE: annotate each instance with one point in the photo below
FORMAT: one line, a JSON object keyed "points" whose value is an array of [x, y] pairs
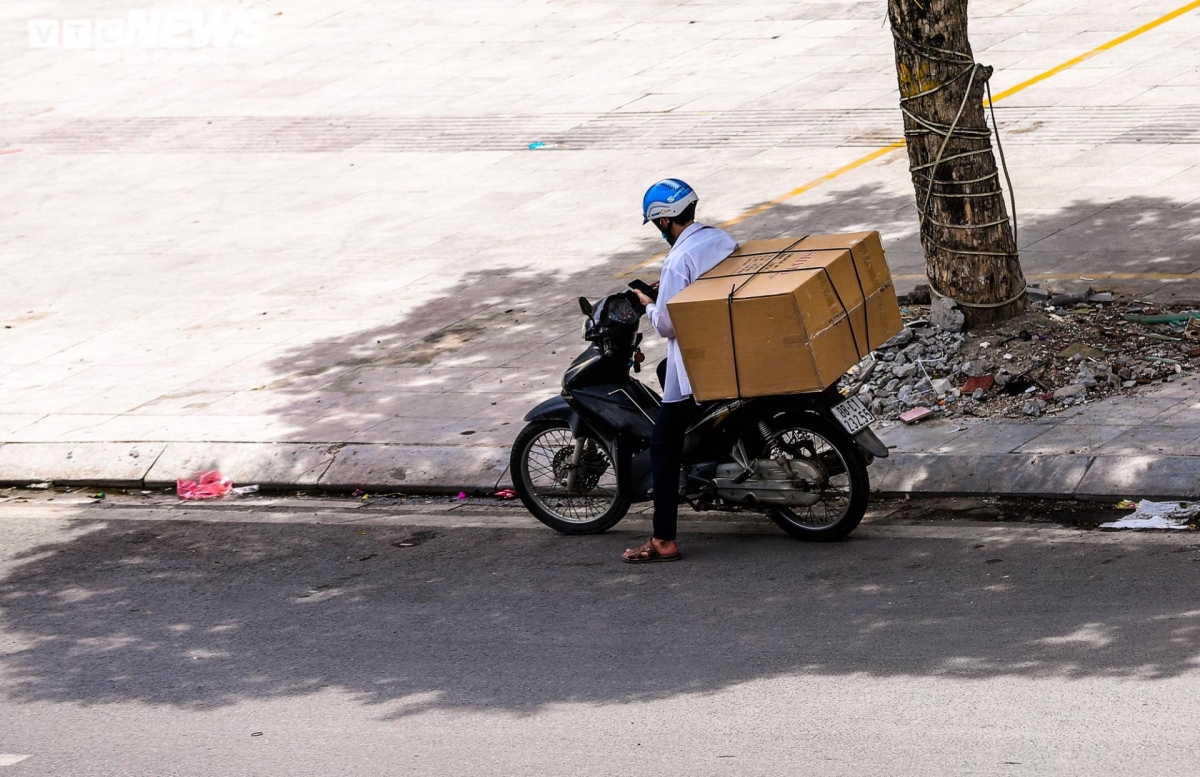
{"points": [[1062, 353]]}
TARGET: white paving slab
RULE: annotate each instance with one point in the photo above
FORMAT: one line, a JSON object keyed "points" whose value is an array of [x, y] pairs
{"points": [[342, 236]]}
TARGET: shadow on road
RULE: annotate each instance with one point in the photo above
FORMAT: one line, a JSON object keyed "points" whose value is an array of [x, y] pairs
{"points": [[207, 615]]}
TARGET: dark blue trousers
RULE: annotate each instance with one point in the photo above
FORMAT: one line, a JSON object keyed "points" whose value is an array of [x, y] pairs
{"points": [[666, 458]]}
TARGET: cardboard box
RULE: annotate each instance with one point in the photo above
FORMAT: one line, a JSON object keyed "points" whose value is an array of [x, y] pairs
{"points": [[785, 316]]}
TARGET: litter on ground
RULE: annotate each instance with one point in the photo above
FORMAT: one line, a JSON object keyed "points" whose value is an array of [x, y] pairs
{"points": [[206, 485], [1156, 515]]}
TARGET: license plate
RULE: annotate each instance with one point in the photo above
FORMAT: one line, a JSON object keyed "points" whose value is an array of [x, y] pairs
{"points": [[853, 415]]}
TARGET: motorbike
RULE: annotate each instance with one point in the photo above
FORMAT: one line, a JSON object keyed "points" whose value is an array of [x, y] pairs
{"points": [[583, 458]]}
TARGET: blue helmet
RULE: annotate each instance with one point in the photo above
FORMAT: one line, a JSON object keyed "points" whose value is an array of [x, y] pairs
{"points": [[668, 197]]}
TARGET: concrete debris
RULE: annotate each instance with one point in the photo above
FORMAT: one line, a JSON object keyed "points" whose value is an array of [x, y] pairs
{"points": [[1040, 362], [945, 315], [1072, 390]]}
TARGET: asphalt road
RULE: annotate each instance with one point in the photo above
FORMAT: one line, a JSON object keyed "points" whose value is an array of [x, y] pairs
{"points": [[303, 639]]}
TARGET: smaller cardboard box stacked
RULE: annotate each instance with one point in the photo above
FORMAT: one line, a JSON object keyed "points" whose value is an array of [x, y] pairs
{"points": [[785, 316]]}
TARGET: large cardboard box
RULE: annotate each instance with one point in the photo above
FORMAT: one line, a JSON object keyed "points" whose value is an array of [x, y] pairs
{"points": [[785, 316]]}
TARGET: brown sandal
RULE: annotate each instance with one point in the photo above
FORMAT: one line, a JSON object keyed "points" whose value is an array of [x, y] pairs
{"points": [[648, 554]]}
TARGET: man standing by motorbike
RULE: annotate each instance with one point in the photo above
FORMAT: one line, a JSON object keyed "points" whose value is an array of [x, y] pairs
{"points": [[695, 249]]}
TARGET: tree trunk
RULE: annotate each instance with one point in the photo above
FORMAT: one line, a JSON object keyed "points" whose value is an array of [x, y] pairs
{"points": [[970, 245]]}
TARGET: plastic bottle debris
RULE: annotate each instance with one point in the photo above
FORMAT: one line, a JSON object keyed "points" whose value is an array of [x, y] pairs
{"points": [[242, 490], [205, 485], [39, 486], [1156, 515], [1083, 351], [1161, 318]]}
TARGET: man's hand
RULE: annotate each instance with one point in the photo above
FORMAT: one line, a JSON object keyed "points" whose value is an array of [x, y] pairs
{"points": [[642, 298]]}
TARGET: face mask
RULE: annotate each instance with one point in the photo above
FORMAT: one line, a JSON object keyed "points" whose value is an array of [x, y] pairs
{"points": [[666, 235]]}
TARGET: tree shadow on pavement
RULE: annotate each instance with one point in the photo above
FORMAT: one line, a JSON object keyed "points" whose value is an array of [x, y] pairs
{"points": [[463, 367], [203, 615]]}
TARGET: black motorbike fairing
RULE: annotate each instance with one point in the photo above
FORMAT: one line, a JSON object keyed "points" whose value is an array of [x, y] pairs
{"points": [[635, 479], [616, 409], [591, 368], [556, 409], [709, 414], [644, 396]]}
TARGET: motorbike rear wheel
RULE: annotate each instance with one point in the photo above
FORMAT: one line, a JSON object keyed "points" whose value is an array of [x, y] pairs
{"points": [[541, 466], [847, 487]]}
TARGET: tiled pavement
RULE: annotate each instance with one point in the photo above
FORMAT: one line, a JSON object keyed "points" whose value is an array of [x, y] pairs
{"points": [[1146, 445], [334, 257]]}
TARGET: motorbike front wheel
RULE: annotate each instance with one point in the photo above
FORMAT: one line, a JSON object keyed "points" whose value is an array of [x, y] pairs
{"points": [[573, 491], [847, 487]]}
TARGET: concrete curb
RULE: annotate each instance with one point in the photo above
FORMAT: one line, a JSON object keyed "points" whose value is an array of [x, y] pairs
{"points": [[112, 464], [481, 469], [275, 466], [1056, 476]]}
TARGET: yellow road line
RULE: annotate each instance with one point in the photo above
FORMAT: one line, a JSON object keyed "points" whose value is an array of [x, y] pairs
{"points": [[1101, 48], [885, 150], [814, 183]]}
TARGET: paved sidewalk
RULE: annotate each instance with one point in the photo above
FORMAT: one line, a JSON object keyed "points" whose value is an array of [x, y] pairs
{"points": [[1147, 445], [333, 259]]}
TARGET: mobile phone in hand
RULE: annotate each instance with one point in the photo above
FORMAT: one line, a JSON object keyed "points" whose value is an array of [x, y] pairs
{"points": [[645, 288]]}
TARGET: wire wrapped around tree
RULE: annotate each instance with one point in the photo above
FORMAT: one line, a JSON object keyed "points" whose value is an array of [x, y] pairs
{"points": [[969, 237]]}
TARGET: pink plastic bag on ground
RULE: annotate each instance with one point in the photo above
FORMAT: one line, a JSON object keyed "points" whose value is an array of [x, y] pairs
{"points": [[207, 485]]}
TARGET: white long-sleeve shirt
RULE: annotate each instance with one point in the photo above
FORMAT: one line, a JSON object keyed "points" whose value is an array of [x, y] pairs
{"points": [[698, 250]]}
